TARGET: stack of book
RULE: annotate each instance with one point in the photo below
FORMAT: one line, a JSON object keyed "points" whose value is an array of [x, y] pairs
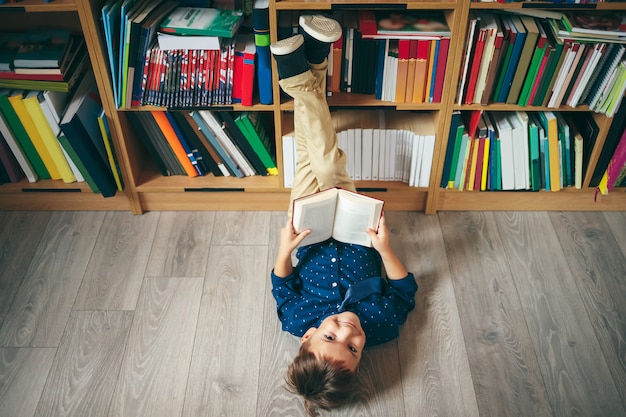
{"points": [[379, 146], [204, 142], [50, 59], [518, 150], [51, 135], [164, 54], [548, 60]]}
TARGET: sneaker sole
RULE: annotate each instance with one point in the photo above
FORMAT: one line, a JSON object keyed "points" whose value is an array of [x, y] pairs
{"points": [[321, 28], [287, 46]]}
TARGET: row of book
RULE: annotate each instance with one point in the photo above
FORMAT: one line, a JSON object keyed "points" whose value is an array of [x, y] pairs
{"points": [[203, 142], [167, 54], [379, 146], [52, 135], [518, 150], [187, 78], [526, 60], [403, 65], [45, 59]]}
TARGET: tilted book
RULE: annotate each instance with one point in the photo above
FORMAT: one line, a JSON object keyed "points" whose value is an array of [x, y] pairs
{"points": [[203, 21], [338, 213]]}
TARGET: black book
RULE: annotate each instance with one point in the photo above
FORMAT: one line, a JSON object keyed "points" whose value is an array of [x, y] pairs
{"points": [[241, 142], [205, 160], [610, 144], [137, 119]]}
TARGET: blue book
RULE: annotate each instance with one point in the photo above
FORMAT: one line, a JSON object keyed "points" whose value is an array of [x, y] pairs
{"points": [[261, 27], [520, 38], [380, 68], [183, 141], [431, 91], [111, 23]]}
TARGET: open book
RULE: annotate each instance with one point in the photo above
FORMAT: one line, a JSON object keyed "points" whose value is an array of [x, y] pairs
{"points": [[341, 214]]}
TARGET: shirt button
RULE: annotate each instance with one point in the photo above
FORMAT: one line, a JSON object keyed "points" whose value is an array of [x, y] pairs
{"points": [[333, 259], [334, 284]]}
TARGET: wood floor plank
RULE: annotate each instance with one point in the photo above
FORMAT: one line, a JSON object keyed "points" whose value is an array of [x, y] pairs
{"points": [[85, 370], [240, 228], [118, 263], [181, 245], [598, 268], [155, 368], [42, 305], [617, 224], [23, 373], [20, 233], [577, 381], [436, 377], [278, 348], [506, 376], [225, 366]]}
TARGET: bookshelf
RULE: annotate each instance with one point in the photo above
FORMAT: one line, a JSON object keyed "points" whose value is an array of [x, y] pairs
{"points": [[147, 190]]}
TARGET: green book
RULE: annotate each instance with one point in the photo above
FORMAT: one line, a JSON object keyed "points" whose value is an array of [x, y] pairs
{"points": [[77, 161], [204, 21], [533, 69], [455, 155], [251, 133], [21, 136], [533, 142], [529, 51], [552, 69], [510, 35]]}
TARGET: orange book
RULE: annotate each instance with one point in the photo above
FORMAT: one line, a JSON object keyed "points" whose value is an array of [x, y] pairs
{"points": [[421, 70], [431, 65], [337, 54], [169, 133], [403, 68], [410, 77]]}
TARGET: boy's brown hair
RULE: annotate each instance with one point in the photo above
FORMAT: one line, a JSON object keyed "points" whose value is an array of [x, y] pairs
{"points": [[323, 382]]}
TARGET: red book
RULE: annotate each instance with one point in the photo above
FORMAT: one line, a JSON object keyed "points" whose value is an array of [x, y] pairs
{"points": [[243, 84], [442, 59], [475, 66], [10, 75]]}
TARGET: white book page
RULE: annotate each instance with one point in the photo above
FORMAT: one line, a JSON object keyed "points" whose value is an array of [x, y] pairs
{"points": [[315, 212], [354, 214]]}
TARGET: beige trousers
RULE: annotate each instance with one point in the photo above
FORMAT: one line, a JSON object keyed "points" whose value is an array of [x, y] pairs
{"points": [[320, 164]]}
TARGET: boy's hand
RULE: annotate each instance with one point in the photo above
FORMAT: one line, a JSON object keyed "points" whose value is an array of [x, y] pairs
{"points": [[289, 239], [380, 239]]}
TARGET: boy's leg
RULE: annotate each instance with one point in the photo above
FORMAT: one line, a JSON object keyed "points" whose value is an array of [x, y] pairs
{"points": [[320, 163]]}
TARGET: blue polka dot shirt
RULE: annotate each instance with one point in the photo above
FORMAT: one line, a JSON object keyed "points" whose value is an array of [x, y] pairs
{"points": [[320, 280]]}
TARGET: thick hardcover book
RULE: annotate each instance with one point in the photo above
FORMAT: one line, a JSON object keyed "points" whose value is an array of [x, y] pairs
{"points": [[203, 21], [76, 132], [341, 214], [140, 123], [42, 49], [80, 166], [47, 135], [21, 136], [17, 101], [526, 54], [261, 26], [520, 34], [454, 122], [243, 72], [249, 128], [549, 121]]}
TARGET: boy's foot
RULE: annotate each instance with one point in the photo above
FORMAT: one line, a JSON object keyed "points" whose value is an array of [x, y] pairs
{"points": [[289, 56], [319, 33]]}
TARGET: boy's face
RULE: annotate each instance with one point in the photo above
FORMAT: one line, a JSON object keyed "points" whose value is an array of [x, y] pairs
{"points": [[340, 337]]}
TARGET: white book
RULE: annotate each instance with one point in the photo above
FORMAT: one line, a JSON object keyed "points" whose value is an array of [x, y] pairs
{"points": [[21, 158], [168, 42], [369, 123], [597, 53], [350, 153], [416, 160], [289, 160], [375, 153], [519, 135], [606, 75], [407, 139], [358, 149], [427, 159], [560, 79], [505, 134], [382, 156]]}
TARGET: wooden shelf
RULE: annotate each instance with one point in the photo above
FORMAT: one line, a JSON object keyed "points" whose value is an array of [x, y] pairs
{"points": [[146, 189]]}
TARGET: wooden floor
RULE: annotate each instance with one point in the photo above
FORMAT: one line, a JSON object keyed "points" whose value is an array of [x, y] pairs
{"points": [[170, 314]]}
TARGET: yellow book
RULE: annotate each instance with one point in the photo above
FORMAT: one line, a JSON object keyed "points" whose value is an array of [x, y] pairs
{"points": [[109, 148], [431, 65], [472, 174], [553, 150], [483, 179], [49, 139], [17, 102]]}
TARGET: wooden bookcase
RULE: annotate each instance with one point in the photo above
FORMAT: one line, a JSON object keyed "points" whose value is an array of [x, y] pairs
{"points": [[146, 189]]}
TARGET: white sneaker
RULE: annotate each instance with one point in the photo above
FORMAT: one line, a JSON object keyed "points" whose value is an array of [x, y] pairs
{"points": [[320, 27], [287, 46]]}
